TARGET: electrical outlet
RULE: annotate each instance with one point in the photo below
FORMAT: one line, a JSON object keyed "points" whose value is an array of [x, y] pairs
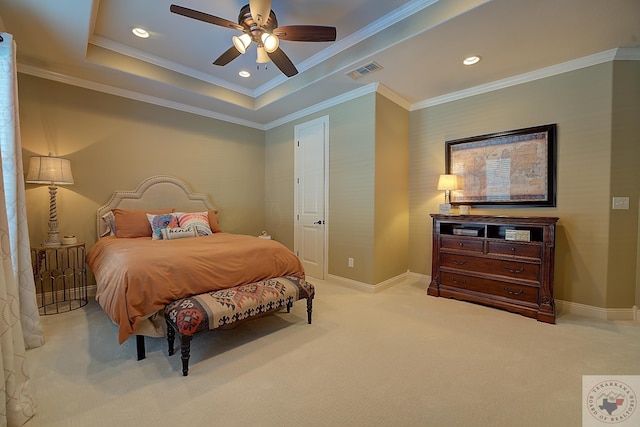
{"points": [[620, 203], [350, 262]]}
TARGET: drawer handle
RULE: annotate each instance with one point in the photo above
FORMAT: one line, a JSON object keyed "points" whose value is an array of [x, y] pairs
{"points": [[511, 270], [510, 292], [461, 244], [513, 249], [458, 282], [453, 260]]}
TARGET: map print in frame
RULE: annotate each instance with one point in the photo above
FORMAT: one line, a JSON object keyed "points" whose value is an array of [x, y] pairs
{"points": [[516, 167]]}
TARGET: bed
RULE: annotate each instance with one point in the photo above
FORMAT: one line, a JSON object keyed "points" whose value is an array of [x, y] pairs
{"points": [[137, 275]]}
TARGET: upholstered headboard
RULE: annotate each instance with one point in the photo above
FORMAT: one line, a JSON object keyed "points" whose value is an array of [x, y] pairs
{"points": [[156, 192]]}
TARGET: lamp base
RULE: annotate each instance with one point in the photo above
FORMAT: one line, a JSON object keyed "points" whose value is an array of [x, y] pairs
{"points": [[53, 239]]}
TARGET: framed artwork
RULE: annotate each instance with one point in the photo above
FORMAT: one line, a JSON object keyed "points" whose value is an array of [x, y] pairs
{"points": [[516, 167]]}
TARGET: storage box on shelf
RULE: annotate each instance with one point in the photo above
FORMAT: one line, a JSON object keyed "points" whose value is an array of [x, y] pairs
{"points": [[501, 261]]}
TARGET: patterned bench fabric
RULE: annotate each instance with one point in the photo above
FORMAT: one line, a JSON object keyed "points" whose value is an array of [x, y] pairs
{"points": [[219, 308]]}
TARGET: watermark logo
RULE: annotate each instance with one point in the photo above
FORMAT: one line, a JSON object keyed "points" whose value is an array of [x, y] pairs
{"points": [[610, 400]]}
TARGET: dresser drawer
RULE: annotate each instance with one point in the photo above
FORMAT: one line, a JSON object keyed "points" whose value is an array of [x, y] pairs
{"points": [[462, 244], [515, 249], [500, 267], [490, 287]]}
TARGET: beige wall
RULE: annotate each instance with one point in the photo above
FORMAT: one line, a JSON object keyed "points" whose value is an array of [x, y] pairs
{"points": [[589, 143], [368, 187], [625, 181], [114, 143], [351, 185], [391, 218]]}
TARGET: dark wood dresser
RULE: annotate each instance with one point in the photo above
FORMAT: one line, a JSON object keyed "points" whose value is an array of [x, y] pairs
{"points": [[500, 261]]}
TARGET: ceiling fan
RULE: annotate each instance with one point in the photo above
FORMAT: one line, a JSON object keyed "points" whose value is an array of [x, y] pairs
{"points": [[259, 24]]}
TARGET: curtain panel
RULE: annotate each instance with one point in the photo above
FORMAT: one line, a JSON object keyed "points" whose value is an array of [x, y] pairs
{"points": [[19, 318]]}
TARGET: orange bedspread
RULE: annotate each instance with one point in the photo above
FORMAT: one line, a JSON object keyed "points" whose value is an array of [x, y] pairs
{"points": [[137, 277]]}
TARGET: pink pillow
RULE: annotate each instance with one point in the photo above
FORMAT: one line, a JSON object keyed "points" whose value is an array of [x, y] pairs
{"points": [[213, 221]]}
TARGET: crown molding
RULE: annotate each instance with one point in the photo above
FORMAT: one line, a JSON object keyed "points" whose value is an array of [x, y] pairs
{"points": [[628, 54], [336, 100], [607, 56], [163, 63], [74, 81], [394, 97], [542, 73]]}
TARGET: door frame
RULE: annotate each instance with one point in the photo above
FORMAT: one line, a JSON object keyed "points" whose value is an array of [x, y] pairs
{"points": [[325, 234]]}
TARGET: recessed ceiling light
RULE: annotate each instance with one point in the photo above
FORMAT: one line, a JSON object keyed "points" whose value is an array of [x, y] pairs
{"points": [[244, 73], [471, 60], [140, 32]]}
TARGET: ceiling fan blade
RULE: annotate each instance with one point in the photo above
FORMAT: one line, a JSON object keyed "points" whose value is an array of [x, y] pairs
{"points": [[205, 17], [306, 33], [283, 62], [228, 56]]}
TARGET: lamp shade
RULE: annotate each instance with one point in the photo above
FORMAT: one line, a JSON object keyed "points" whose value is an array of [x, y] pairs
{"points": [[270, 42], [49, 170], [242, 42], [448, 182], [263, 57]]}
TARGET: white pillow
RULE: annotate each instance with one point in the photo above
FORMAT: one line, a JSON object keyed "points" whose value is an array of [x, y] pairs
{"points": [[178, 233], [160, 222], [110, 222]]}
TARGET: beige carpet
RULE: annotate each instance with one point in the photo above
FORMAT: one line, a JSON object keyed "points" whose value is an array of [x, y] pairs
{"points": [[396, 358]]}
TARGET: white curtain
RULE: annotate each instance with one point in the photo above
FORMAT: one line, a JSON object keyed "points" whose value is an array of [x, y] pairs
{"points": [[19, 319]]}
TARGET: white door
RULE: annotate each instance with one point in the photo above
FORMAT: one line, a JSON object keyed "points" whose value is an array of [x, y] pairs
{"points": [[311, 166]]}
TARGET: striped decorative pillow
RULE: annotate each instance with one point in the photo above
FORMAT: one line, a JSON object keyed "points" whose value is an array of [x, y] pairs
{"points": [[198, 220]]}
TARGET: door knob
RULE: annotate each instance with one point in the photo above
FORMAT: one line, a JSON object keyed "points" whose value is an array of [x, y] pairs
{"points": [[319, 222]]}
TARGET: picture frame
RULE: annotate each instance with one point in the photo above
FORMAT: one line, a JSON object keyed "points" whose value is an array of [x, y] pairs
{"points": [[511, 168]]}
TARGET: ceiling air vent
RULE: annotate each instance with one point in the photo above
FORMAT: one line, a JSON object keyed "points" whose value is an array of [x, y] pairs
{"points": [[371, 67]]}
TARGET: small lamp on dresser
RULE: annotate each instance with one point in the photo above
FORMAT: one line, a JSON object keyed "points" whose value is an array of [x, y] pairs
{"points": [[51, 171], [447, 183]]}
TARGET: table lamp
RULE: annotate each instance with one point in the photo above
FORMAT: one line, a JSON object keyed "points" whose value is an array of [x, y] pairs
{"points": [[447, 183], [52, 171]]}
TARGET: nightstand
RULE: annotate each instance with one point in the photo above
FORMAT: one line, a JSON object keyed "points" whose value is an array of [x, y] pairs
{"points": [[60, 277]]}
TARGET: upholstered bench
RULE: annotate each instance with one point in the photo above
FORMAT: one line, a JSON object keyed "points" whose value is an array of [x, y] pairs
{"points": [[226, 307]]}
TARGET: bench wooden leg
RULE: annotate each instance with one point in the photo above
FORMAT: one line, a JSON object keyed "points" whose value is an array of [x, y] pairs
{"points": [[309, 309], [185, 350], [140, 347], [171, 337]]}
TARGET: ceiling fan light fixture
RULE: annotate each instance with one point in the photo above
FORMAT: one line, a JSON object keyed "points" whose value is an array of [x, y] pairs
{"points": [[242, 43], [255, 19], [270, 42], [263, 58]]}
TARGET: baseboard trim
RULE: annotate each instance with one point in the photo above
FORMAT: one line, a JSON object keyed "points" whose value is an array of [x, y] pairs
{"points": [[422, 278], [568, 307], [372, 289]]}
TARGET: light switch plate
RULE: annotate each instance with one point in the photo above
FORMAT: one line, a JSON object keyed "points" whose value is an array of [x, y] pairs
{"points": [[620, 203]]}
